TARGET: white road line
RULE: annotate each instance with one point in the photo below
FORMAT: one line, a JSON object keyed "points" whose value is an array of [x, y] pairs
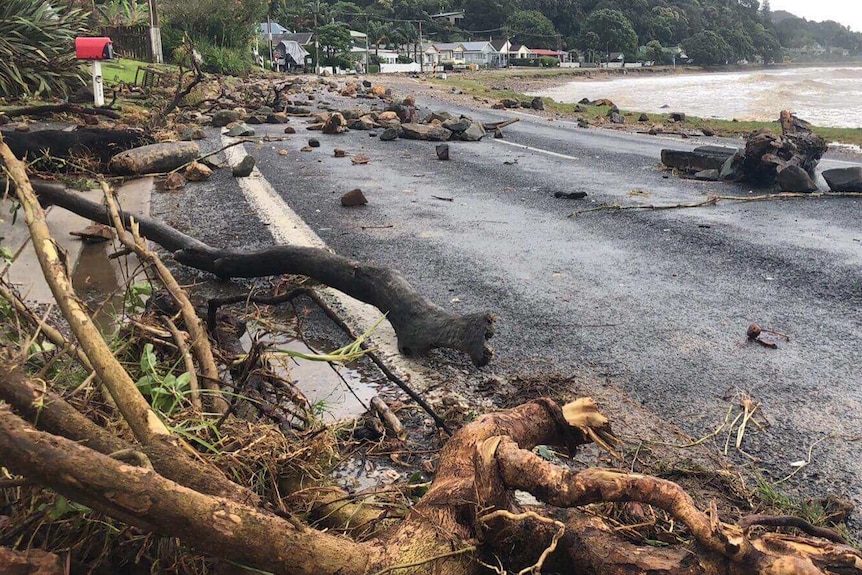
{"points": [[540, 150], [287, 227]]}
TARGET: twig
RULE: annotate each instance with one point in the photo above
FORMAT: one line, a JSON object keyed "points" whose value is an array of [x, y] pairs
{"points": [[713, 200], [214, 304], [442, 199], [537, 567], [790, 521], [802, 464], [382, 366], [194, 388], [200, 343], [469, 549]]}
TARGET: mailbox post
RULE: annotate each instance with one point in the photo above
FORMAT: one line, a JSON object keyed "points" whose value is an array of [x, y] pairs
{"points": [[95, 50]]}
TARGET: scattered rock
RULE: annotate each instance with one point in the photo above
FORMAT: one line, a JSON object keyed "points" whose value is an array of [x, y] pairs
{"points": [[442, 151], [643, 118], [582, 123], [707, 175], [731, 170], [297, 111], [440, 115], [415, 131], [240, 131], [4, 119], [708, 132], [474, 133], [175, 181], [336, 124], [255, 120], [378, 91], [579, 109], [602, 102], [366, 83], [617, 118], [510, 103], [224, 117], [665, 106], [306, 149], [656, 129], [677, 117], [94, 234], [244, 168], [22, 128], [277, 118], [197, 172], [584, 101], [498, 133], [792, 178], [313, 143], [353, 198], [388, 115], [362, 123], [844, 179], [339, 153], [360, 160], [198, 134], [570, 195], [698, 160], [389, 134], [91, 120], [537, 103], [289, 130]]}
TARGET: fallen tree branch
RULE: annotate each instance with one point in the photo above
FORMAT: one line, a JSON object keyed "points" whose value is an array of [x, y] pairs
{"points": [[135, 409], [66, 108], [194, 388], [714, 200], [200, 343], [419, 324], [790, 521]]}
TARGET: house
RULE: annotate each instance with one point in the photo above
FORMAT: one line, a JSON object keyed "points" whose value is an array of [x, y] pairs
{"points": [[480, 54], [558, 54], [502, 48], [274, 27], [288, 55], [518, 51], [452, 17]]}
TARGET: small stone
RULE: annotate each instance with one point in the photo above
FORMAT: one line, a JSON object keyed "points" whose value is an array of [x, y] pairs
{"points": [[224, 117], [255, 120], [313, 143], [389, 134], [335, 124], [282, 152], [537, 103], [198, 134], [707, 175], [708, 132], [244, 168], [498, 133], [677, 116], [617, 118], [643, 118], [240, 131], [277, 118], [353, 198], [360, 160], [306, 149], [175, 181], [4, 119], [442, 151], [197, 172], [339, 153], [22, 128], [290, 130], [582, 123], [91, 120]]}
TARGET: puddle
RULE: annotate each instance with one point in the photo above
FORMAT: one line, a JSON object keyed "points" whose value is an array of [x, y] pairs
{"points": [[336, 392], [101, 282]]}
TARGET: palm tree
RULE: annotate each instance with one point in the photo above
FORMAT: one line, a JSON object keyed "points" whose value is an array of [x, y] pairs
{"points": [[378, 33]]}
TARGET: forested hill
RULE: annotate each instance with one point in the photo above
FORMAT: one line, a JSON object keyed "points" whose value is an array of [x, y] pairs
{"points": [[715, 30]]}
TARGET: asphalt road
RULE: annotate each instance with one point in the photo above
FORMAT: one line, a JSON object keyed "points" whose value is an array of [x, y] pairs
{"points": [[657, 302]]}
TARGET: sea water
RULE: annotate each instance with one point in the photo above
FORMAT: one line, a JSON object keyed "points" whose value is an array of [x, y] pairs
{"points": [[825, 96]]}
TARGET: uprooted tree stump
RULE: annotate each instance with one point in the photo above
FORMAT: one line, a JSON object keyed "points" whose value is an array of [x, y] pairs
{"points": [[419, 324], [469, 513], [100, 143]]}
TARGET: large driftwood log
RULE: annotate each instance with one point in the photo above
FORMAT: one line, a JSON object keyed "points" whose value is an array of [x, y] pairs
{"points": [[419, 324], [66, 108], [96, 142]]}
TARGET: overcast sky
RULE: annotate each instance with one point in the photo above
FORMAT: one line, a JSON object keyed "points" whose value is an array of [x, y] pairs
{"points": [[847, 12]]}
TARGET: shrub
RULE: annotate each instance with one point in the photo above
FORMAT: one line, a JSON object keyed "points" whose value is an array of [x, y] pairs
{"points": [[402, 59], [36, 40], [224, 60], [549, 62], [525, 62]]}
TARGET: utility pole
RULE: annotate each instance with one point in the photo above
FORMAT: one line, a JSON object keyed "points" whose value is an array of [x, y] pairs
{"points": [[269, 32], [155, 33], [421, 50], [316, 42]]}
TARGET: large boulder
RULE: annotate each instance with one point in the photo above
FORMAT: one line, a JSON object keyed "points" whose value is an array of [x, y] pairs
{"points": [[154, 159], [765, 153], [474, 133], [414, 131], [457, 126], [792, 178], [697, 160], [224, 117], [844, 179], [335, 124], [363, 123]]}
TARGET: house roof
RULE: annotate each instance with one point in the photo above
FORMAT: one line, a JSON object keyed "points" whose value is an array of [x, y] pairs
{"points": [[498, 44], [446, 46], [538, 52], [617, 56], [301, 38], [477, 46], [516, 47], [275, 26]]}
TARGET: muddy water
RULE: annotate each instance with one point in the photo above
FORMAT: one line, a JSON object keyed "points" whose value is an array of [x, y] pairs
{"points": [[102, 282], [823, 96]]}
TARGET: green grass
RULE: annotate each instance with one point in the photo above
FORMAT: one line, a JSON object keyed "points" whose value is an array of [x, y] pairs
{"points": [[482, 88], [124, 70]]}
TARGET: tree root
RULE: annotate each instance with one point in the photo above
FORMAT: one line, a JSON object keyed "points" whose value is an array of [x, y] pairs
{"points": [[419, 324]]}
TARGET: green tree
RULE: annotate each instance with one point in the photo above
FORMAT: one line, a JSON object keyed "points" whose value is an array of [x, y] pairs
{"points": [[224, 24], [707, 49], [334, 41], [533, 29], [487, 14], [655, 52], [614, 31]]}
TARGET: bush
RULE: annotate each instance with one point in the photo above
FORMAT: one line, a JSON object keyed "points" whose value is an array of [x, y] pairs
{"points": [[36, 56], [402, 59], [223, 60], [549, 62], [525, 62]]}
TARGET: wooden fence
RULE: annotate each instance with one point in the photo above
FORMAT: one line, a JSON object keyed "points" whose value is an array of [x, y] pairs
{"points": [[130, 41]]}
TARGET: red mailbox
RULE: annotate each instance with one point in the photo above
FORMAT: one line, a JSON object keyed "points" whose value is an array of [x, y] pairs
{"points": [[94, 49]]}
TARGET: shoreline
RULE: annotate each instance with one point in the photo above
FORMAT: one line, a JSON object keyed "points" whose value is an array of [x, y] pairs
{"points": [[484, 89]]}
